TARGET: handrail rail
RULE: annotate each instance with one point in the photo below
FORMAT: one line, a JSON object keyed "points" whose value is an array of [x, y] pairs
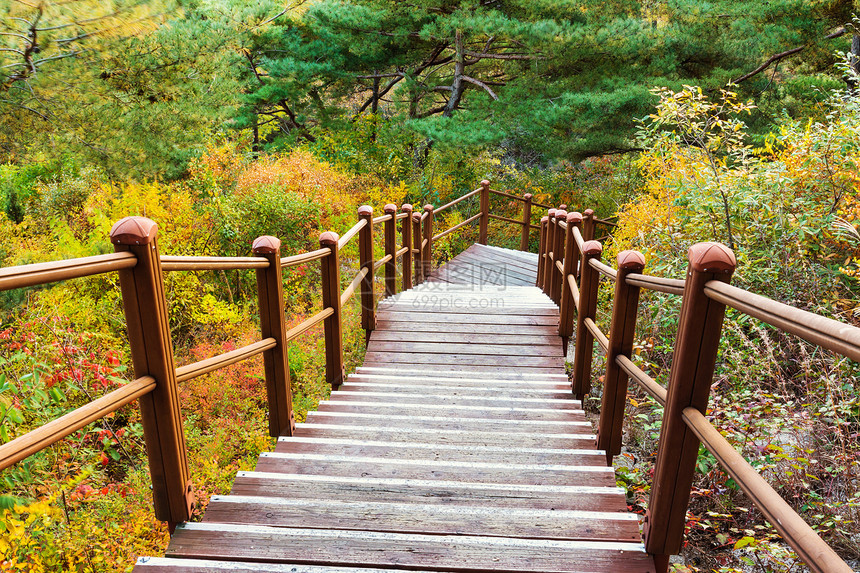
{"points": [[831, 334], [706, 260], [294, 260], [456, 227], [189, 263], [350, 290], [55, 430], [382, 218], [353, 231], [43, 273], [191, 371], [457, 200]]}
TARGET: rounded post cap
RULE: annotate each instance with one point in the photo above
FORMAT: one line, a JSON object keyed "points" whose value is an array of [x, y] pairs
{"points": [[574, 218], [416, 216], [485, 183], [544, 219], [528, 196], [428, 207], [329, 238], [711, 257], [563, 207], [592, 248], [390, 208], [365, 211], [406, 207], [588, 213], [133, 231], [266, 245], [631, 260], [560, 214], [551, 213]]}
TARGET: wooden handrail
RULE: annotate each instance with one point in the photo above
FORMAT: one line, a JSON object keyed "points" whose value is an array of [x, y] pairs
{"points": [[799, 535], [382, 261], [659, 284], [456, 227], [191, 371], [55, 430], [831, 334], [42, 273], [457, 200], [308, 323], [353, 231], [401, 252], [645, 382], [184, 263], [603, 269], [598, 335], [294, 260], [509, 220], [350, 290], [383, 218]]}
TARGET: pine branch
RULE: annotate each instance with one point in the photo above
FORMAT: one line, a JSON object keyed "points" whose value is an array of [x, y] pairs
{"points": [[782, 55], [479, 83]]}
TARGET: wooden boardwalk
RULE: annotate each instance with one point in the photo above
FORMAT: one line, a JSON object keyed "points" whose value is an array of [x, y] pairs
{"points": [[456, 447]]}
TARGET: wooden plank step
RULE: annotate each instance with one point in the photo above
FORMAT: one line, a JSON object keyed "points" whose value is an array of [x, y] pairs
{"points": [[435, 368], [478, 392], [423, 518], [420, 552], [445, 411], [454, 423], [479, 318], [439, 492], [448, 348], [500, 339], [466, 437], [351, 393], [172, 565], [506, 269], [470, 360], [431, 325], [442, 452], [473, 472], [559, 376]]}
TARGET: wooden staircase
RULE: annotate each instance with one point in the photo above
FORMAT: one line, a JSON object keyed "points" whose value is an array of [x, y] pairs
{"points": [[456, 447]]}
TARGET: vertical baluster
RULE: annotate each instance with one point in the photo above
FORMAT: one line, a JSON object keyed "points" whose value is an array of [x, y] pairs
{"points": [[390, 232], [333, 325], [690, 379], [542, 251], [588, 225], [427, 255], [418, 251], [406, 238], [365, 250], [270, 297], [558, 249], [571, 258], [587, 309], [548, 259], [485, 212], [527, 221], [145, 308], [621, 332]]}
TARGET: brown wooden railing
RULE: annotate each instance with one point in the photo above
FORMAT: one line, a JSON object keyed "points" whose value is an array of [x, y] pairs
{"points": [[569, 272], [140, 268]]}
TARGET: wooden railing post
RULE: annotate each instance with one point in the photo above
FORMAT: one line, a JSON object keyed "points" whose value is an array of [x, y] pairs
{"points": [[549, 241], [145, 307], [485, 212], [333, 325], [621, 332], [588, 225], [417, 237], [406, 240], [527, 222], [427, 255], [270, 297], [365, 254], [544, 221], [587, 309], [390, 231], [558, 250], [571, 258], [690, 380]]}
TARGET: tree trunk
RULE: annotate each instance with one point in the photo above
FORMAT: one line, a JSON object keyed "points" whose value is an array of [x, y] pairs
{"points": [[458, 85]]}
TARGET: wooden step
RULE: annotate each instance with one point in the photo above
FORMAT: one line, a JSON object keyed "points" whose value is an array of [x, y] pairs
{"points": [[532, 413], [472, 472], [440, 452], [478, 391], [467, 348], [423, 518], [379, 431], [498, 339], [440, 492], [419, 552], [477, 424], [167, 564], [356, 393]]}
